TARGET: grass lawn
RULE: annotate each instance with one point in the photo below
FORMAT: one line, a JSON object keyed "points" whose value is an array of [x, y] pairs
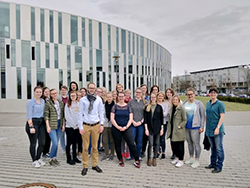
{"points": [[230, 106]]}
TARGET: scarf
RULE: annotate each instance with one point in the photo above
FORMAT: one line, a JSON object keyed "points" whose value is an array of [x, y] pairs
{"points": [[108, 108], [91, 99]]}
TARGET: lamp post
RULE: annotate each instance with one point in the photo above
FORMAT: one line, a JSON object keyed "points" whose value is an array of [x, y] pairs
{"points": [[116, 57]]}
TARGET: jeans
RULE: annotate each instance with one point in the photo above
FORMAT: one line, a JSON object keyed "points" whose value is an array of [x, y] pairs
{"points": [[54, 136], [154, 141], [193, 140], [138, 133], [217, 152], [62, 141], [40, 136], [128, 137], [163, 139]]}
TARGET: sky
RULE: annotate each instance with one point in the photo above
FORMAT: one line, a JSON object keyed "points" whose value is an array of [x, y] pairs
{"points": [[200, 34]]}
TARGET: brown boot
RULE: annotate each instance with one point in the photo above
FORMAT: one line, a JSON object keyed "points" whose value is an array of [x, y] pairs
{"points": [[154, 161], [149, 162]]}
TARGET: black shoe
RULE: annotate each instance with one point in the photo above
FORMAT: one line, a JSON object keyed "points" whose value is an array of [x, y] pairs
{"points": [[142, 154], [209, 167], [216, 170], [77, 160], [158, 154], [84, 171], [97, 169], [163, 156], [172, 157], [71, 162]]}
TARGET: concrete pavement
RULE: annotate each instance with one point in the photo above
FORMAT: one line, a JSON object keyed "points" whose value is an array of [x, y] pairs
{"points": [[16, 169]]}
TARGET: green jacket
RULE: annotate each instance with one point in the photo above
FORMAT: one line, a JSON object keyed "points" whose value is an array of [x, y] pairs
{"points": [[51, 114], [180, 119]]}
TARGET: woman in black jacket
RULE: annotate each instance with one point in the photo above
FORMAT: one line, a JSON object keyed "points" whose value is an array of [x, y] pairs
{"points": [[153, 119]]}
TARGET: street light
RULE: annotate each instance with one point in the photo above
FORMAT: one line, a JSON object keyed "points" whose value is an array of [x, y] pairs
{"points": [[116, 57]]}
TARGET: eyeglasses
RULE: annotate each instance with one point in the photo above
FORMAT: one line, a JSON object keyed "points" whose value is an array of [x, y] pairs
{"points": [[190, 94], [91, 88], [138, 92], [53, 93]]}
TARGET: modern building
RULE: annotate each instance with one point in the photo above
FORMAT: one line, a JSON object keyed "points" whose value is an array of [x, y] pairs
{"points": [[232, 79], [50, 48]]}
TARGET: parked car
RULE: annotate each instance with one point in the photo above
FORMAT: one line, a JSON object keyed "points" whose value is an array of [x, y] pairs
{"points": [[243, 96], [232, 95], [203, 94], [222, 94]]}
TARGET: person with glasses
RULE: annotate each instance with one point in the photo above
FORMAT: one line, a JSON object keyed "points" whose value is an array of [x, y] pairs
{"points": [[194, 127], [90, 121], [54, 118], [215, 114]]}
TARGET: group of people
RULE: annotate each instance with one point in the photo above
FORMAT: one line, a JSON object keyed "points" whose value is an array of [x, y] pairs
{"points": [[91, 116]]}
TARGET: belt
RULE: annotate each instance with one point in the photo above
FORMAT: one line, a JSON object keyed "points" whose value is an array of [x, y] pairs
{"points": [[94, 124]]}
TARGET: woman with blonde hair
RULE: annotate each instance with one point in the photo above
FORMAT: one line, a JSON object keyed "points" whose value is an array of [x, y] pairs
{"points": [[176, 130], [153, 121]]}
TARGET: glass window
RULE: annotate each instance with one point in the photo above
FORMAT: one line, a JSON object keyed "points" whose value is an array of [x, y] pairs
{"points": [[90, 33], [89, 76], [133, 44], [117, 39], [13, 52], [51, 24], [47, 55], [104, 79], [80, 78], [142, 46], [38, 59], [60, 28], [26, 57], [19, 82], [99, 60], [56, 56], [69, 76], [123, 41], [83, 32], [40, 75], [42, 24], [97, 79], [109, 38], [109, 59], [78, 57], [18, 22], [3, 83], [137, 45], [68, 57], [74, 30], [100, 35], [90, 59], [60, 78], [110, 82], [29, 90], [2, 52], [33, 24], [125, 63], [129, 43], [130, 65], [4, 20]]}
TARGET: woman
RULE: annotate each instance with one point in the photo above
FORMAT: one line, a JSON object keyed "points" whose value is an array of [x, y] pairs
{"points": [[137, 105], [127, 95], [104, 94], [176, 130], [45, 96], [83, 90], [169, 94], [153, 116], [215, 114], [107, 135], [154, 89], [114, 95], [54, 118], [122, 117], [79, 95], [165, 107], [35, 126], [195, 124], [71, 128], [144, 89]]}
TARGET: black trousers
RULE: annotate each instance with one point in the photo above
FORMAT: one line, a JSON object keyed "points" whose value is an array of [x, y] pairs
{"points": [[72, 139], [47, 144], [39, 136], [144, 143], [79, 141], [127, 135], [178, 149]]}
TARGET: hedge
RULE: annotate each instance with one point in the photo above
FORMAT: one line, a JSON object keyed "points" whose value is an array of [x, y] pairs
{"points": [[235, 99]]}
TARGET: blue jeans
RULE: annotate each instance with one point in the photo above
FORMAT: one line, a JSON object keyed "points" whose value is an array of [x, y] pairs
{"points": [[62, 141], [54, 136], [138, 133], [217, 152]]}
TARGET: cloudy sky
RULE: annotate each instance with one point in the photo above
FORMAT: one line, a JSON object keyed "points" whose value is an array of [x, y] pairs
{"points": [[200, 34]]}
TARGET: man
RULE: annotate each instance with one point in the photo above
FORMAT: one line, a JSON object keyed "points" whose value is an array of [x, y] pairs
{"points": [[91, 119], [215, 113], [194, 127]]}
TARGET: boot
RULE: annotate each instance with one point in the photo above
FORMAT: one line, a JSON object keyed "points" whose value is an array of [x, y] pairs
{"points": [[154, 161], [149, 162]]}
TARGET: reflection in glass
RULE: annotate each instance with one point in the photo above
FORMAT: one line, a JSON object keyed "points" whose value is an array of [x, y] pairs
{"points": [[109, 38], [28, 83], [100, 35], [99, 60], [68, 58], [26, 57], [42, 24], [19, 82], [123, 41], [47, 55], [74, 29], [51, 24], [56, 56], [60, 28], [40, 75], [78, 57], [38, 59], [4, 20], [90, 34], [18, 22], [83, 32], [13, 52], [33, 24]]}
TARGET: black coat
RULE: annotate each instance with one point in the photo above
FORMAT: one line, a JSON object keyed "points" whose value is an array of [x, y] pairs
{"points": [[154, 124]]}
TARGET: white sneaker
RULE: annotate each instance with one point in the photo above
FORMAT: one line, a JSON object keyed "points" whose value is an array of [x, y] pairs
{"points": [[41, 162], [36, 164], [179, 164], [195, 164], [175, 160], [190, 161]]}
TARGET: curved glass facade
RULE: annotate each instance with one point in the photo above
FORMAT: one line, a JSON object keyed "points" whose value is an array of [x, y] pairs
{"points": [[50, 48]]}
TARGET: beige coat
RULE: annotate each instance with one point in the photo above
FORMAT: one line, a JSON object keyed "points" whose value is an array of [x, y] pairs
{"points": [[180, 119]]}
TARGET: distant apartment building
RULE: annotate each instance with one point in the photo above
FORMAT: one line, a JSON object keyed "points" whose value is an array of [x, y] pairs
{"points": [[233, 79]]}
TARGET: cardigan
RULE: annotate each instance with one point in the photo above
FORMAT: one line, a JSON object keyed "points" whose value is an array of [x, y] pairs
{"points": [[51, 114]]}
